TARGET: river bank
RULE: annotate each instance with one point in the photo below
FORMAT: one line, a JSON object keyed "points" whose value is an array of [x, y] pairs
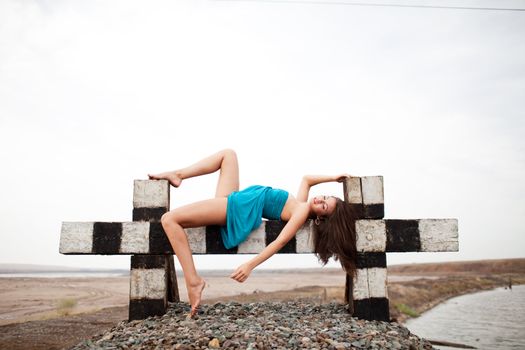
{"points": [[412, 289], [413, 296], [492, 319]]}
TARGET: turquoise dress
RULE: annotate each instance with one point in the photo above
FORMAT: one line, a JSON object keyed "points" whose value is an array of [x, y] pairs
{"points": [[246, 209]]}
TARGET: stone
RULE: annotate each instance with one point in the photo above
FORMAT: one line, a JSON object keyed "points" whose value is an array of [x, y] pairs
{"points": [[264, 325], [214, 343]]}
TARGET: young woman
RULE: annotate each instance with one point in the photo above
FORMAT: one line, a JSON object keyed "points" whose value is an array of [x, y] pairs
{"points": [[240, 212]]}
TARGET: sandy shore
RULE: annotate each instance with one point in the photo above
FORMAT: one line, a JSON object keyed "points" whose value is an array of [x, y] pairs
{"points": [[28, 299]]}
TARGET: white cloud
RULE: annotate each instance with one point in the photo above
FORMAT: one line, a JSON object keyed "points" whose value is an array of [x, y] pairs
{"points": [[93, 95]]}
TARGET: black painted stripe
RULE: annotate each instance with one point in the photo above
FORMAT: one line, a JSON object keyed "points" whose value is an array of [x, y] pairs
{"points": [[369, 260], [149, 261], [379, 309], [369, 211], [140, 309], [273, 228], [358, 210], [374, 211], [148, 214], [214, 244], [349, 288], [173, 289], [158, 241], [372, 309], [402, 236], [107, 237]]}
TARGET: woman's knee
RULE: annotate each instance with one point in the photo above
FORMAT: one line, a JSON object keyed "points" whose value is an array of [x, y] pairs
{"points": [[172, 228], [168, 219], [230, 153]]}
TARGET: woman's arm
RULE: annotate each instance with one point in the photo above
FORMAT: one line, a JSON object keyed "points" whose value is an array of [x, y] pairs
{"points": [[311, 180], [289, 231]]}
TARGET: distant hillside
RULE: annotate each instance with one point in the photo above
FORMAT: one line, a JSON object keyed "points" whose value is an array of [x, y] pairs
{"points": [[33, 268], [456, 267], [462, 267]]}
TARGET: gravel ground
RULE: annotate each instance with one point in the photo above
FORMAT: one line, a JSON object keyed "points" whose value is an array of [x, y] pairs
{"points": [[261, 325]]}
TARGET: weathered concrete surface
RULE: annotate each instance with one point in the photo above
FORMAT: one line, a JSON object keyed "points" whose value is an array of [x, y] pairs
{"points": [[151, 194], [147, 284], [76, 237]]}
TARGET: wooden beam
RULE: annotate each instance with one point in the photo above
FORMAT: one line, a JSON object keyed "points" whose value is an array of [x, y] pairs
{"points": [[388, 235]]}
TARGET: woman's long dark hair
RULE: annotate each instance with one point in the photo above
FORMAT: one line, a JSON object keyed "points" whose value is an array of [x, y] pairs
{"points": [[334, 236]]}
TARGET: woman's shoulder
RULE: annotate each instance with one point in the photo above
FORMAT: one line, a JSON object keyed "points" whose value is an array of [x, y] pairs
{"points": [[294, 207], [302, 210]]}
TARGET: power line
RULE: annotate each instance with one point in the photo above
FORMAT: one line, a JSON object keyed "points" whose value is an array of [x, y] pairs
{"points": [[345, 3]]}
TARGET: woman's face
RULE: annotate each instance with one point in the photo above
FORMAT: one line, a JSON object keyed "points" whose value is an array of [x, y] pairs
{"points": [[323, 205]]}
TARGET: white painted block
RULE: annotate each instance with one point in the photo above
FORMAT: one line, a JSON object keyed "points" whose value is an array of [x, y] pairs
{"points": [[353, 190], [372, 188], [151, 194], [135, 237], [76, 237], [147, 284], [197, 239], [255, 242], [361, 285], [377, 282], [370, 235], [304, 238], [439, 235]]}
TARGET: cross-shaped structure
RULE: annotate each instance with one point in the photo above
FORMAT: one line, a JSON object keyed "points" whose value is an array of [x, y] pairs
{"points": [[153, 282]]}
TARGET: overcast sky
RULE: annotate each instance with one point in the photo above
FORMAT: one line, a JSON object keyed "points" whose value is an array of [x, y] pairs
{"points": [[95, 94]]}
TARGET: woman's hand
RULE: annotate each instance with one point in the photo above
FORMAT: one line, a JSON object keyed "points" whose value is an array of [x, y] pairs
{"points": [[242, 273], [342, 177]]}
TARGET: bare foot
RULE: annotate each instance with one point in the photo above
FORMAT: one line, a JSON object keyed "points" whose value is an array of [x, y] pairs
{"points": [[171, 176], [195, 294]]}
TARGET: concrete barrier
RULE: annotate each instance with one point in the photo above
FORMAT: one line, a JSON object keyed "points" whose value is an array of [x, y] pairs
{"points": [[153, 281]]}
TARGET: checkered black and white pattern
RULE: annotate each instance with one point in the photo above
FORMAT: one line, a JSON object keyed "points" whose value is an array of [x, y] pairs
{"points": [[140, 237], [152, 271]]}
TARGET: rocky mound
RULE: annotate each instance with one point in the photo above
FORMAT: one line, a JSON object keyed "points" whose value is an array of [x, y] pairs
{"points": [[263, 325]]}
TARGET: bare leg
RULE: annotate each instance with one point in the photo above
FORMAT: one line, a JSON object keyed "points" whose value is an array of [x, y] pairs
{"points": [[225, 161], [208, 212]]}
